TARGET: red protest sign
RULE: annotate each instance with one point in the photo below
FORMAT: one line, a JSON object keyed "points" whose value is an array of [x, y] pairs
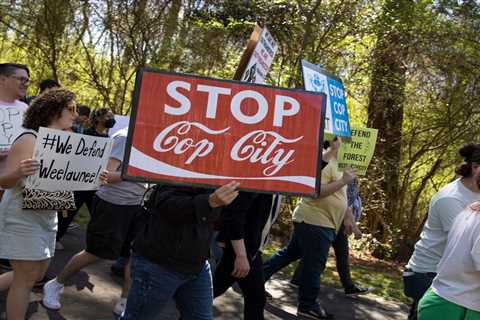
{"points": [[194, 130]]}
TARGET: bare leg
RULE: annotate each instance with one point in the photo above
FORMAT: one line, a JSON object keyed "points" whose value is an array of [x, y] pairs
{"points": [[25, 274], [6, 280], [77, 263]]}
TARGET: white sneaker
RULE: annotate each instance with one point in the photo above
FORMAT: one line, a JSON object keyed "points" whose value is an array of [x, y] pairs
{"points": [[120, 306], [51, 294], [59, 246]]}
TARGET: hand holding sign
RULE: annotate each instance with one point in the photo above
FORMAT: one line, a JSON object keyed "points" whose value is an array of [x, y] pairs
{"points": [[27, 167], [348, 176], [224, 195], [104, 177]]}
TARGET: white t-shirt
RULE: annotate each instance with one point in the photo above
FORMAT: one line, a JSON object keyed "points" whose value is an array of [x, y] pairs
{"points": [[445, 205], [458, 278], [11, 119]]}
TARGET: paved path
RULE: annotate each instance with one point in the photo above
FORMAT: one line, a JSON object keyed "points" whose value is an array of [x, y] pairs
{"points": [[93, 292]]}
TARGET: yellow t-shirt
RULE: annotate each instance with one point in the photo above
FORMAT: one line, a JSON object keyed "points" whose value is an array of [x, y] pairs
{"points": [[326, 212]]}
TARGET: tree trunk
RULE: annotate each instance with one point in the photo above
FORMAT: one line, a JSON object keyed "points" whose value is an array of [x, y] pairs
{"points": [[385, 111]]}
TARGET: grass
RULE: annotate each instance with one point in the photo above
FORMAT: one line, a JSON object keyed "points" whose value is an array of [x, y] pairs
{"points": [[384, 278]]}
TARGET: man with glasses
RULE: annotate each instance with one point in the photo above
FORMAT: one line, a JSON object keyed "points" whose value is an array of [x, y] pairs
{"points": [[14, 81]]}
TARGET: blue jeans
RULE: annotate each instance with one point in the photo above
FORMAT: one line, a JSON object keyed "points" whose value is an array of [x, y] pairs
{"points": [[340, 247], [311, 244], [153, 286]]}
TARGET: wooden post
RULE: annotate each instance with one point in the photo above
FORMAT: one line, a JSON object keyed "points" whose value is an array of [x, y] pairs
{"points": [[254, 37]]}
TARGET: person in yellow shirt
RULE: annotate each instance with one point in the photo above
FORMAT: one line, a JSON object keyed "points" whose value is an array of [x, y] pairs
{"points": [[315, 224]]}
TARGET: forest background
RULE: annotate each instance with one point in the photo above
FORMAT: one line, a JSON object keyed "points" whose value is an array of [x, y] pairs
{"points": [[411, 69]]}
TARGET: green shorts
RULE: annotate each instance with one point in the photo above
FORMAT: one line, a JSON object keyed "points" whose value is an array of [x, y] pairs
{"points": [[434, 307]]}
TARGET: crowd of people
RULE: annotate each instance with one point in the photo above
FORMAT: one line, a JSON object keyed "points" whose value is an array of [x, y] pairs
{"points": [[162, 236]]}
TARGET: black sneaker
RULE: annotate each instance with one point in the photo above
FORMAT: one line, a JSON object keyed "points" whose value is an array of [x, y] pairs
{"points": [[356, 291], [315, 313]]}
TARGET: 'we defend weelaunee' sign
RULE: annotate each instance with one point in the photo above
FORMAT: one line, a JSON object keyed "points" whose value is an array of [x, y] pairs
{"points": [[200, 131], [68, 161]]}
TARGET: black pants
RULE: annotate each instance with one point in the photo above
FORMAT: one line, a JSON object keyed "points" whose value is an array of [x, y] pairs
{"points": [[252, 285], [414, 286], [65, 217], [112, 228], [340, 247]]}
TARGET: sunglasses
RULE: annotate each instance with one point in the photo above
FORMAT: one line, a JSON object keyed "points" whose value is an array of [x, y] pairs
{"points": [[72, 109]]}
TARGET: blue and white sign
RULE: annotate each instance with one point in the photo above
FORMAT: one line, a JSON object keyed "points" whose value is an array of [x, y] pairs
{"points": [[318, 80]]}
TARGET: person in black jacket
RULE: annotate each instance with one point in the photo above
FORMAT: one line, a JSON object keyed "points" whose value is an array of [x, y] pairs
{"points": [[170, 255], [246, 223], [244, 231]]}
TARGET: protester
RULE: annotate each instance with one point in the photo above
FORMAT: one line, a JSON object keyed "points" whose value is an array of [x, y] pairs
{"points": [[445, 205], [341, 246], [48, 84], [101, 120], [315, 222], [171, 252], [242, 235], [243, 232], [81, 121], [455, 291], [115, 218], [14, 81], [27, 237], [43, 87]]}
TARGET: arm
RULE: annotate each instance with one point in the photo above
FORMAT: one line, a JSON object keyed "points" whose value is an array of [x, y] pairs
{"points": [[233, 226], [114, 176], [349, 221], [19, 162], [241, 266], [332, 187], [116, 158]]}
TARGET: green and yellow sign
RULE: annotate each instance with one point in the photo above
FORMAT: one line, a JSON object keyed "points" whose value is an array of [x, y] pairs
{"points": [[359, 151]]}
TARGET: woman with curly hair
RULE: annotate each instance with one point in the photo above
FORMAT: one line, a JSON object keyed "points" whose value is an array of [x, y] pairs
{"points": [[27, 237]]}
